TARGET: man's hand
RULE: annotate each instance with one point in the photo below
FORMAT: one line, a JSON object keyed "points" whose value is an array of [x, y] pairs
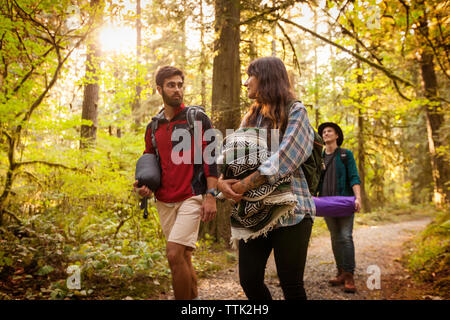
{"points": [[143, 191], [357, 204], [357, 191], [209, 208], [224, 186]]}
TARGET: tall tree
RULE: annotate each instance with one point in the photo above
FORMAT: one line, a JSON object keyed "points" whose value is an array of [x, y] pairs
{"points": [[91, 87], [137, 100], [316, 75], [226, 88], [433, 108], [361, 142], [34, 46], [202, 67], [226, 66]]}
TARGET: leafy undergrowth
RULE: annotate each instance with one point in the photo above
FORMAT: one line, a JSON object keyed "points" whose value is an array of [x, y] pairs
{"points": [[211, 256], [428, 258], [118, 255], [90, 259], [426, 265], [35, 266]]}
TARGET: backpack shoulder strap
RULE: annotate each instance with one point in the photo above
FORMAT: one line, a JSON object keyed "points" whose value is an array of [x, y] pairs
{"points": [[344, 159], [343, 154], [153, 128], [191, 115]]}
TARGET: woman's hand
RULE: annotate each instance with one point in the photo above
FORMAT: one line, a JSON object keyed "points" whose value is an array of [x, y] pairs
{"points": [[238, 187], [225, 186]]}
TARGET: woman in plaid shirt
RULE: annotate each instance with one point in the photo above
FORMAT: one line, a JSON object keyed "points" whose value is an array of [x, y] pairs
{"points": [[268, 85]]}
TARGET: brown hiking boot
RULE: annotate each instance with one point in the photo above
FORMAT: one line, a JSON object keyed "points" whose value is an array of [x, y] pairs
{"points": [[339, 279], [349, 283]]}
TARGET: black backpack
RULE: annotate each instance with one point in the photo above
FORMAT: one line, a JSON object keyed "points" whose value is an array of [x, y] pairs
{"points": [[191, 115], [342, 153], [313, 166]]}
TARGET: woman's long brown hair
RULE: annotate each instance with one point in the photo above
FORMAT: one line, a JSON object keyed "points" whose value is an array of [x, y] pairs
{"points": [[274, 93]]}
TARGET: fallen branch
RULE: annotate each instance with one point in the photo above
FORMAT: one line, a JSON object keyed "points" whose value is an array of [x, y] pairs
{"points": [[12, 215], [120, 225], [32, 176], [50, 164]]}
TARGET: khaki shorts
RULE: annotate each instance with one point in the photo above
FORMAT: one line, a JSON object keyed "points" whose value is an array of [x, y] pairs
{"points": [[180, 221]]}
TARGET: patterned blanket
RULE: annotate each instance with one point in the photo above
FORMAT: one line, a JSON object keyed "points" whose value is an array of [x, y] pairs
{"points": [[261, 208]]}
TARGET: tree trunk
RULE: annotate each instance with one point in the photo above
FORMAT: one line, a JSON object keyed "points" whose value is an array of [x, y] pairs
{"points": [[435, 119], [136, 106], [12, 143], [181, 60], [202, 66], [252, 51], [377, 181], [361, 149], [226, 113], [362, 161], [91, 87], [316, 74], [226, 67], [274, 40]]}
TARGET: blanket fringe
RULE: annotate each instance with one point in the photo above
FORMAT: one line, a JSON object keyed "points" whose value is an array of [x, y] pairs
{"points": [[245, 234]]}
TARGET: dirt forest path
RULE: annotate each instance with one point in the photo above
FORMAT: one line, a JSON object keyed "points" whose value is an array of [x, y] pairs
{"points": [[374, 245]]}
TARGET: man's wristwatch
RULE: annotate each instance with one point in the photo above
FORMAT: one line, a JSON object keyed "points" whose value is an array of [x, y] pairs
{"points": [[213, 192]]}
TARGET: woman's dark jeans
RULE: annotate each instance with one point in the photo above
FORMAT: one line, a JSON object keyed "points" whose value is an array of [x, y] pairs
{"points": [[341, 229], [290, 245]]}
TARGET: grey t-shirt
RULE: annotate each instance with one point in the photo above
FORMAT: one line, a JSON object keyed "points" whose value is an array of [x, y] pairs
{"points": [[329, 186]]}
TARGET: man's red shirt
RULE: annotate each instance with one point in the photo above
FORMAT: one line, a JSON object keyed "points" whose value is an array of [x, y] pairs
{"points": [[184, 180]]}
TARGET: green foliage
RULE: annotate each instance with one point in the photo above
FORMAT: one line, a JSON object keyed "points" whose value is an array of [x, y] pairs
{"points": [[429, 259], [78, 208], [211, 256]]}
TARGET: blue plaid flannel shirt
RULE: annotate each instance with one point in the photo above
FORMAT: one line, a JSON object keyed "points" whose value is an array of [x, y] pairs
{"points": [[294, 149]]}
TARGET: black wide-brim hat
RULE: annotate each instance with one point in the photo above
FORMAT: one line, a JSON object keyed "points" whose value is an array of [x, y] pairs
{"points": [[338, 130]]}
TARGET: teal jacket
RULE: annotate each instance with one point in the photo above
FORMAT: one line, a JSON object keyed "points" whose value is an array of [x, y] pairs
{"points": [[346, 177]]}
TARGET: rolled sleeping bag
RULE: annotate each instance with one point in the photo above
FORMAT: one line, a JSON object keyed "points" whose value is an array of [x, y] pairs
{"points": [[334, 206], [148, 173]]}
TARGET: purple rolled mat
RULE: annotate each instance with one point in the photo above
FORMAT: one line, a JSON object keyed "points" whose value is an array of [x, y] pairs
{"points": [[335, 206]]}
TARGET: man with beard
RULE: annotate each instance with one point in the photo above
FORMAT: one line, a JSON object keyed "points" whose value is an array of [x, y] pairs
{"points": [[188, 189]]}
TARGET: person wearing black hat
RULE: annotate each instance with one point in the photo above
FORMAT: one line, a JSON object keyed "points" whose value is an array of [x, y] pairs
{"points": [[340, 178]]}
